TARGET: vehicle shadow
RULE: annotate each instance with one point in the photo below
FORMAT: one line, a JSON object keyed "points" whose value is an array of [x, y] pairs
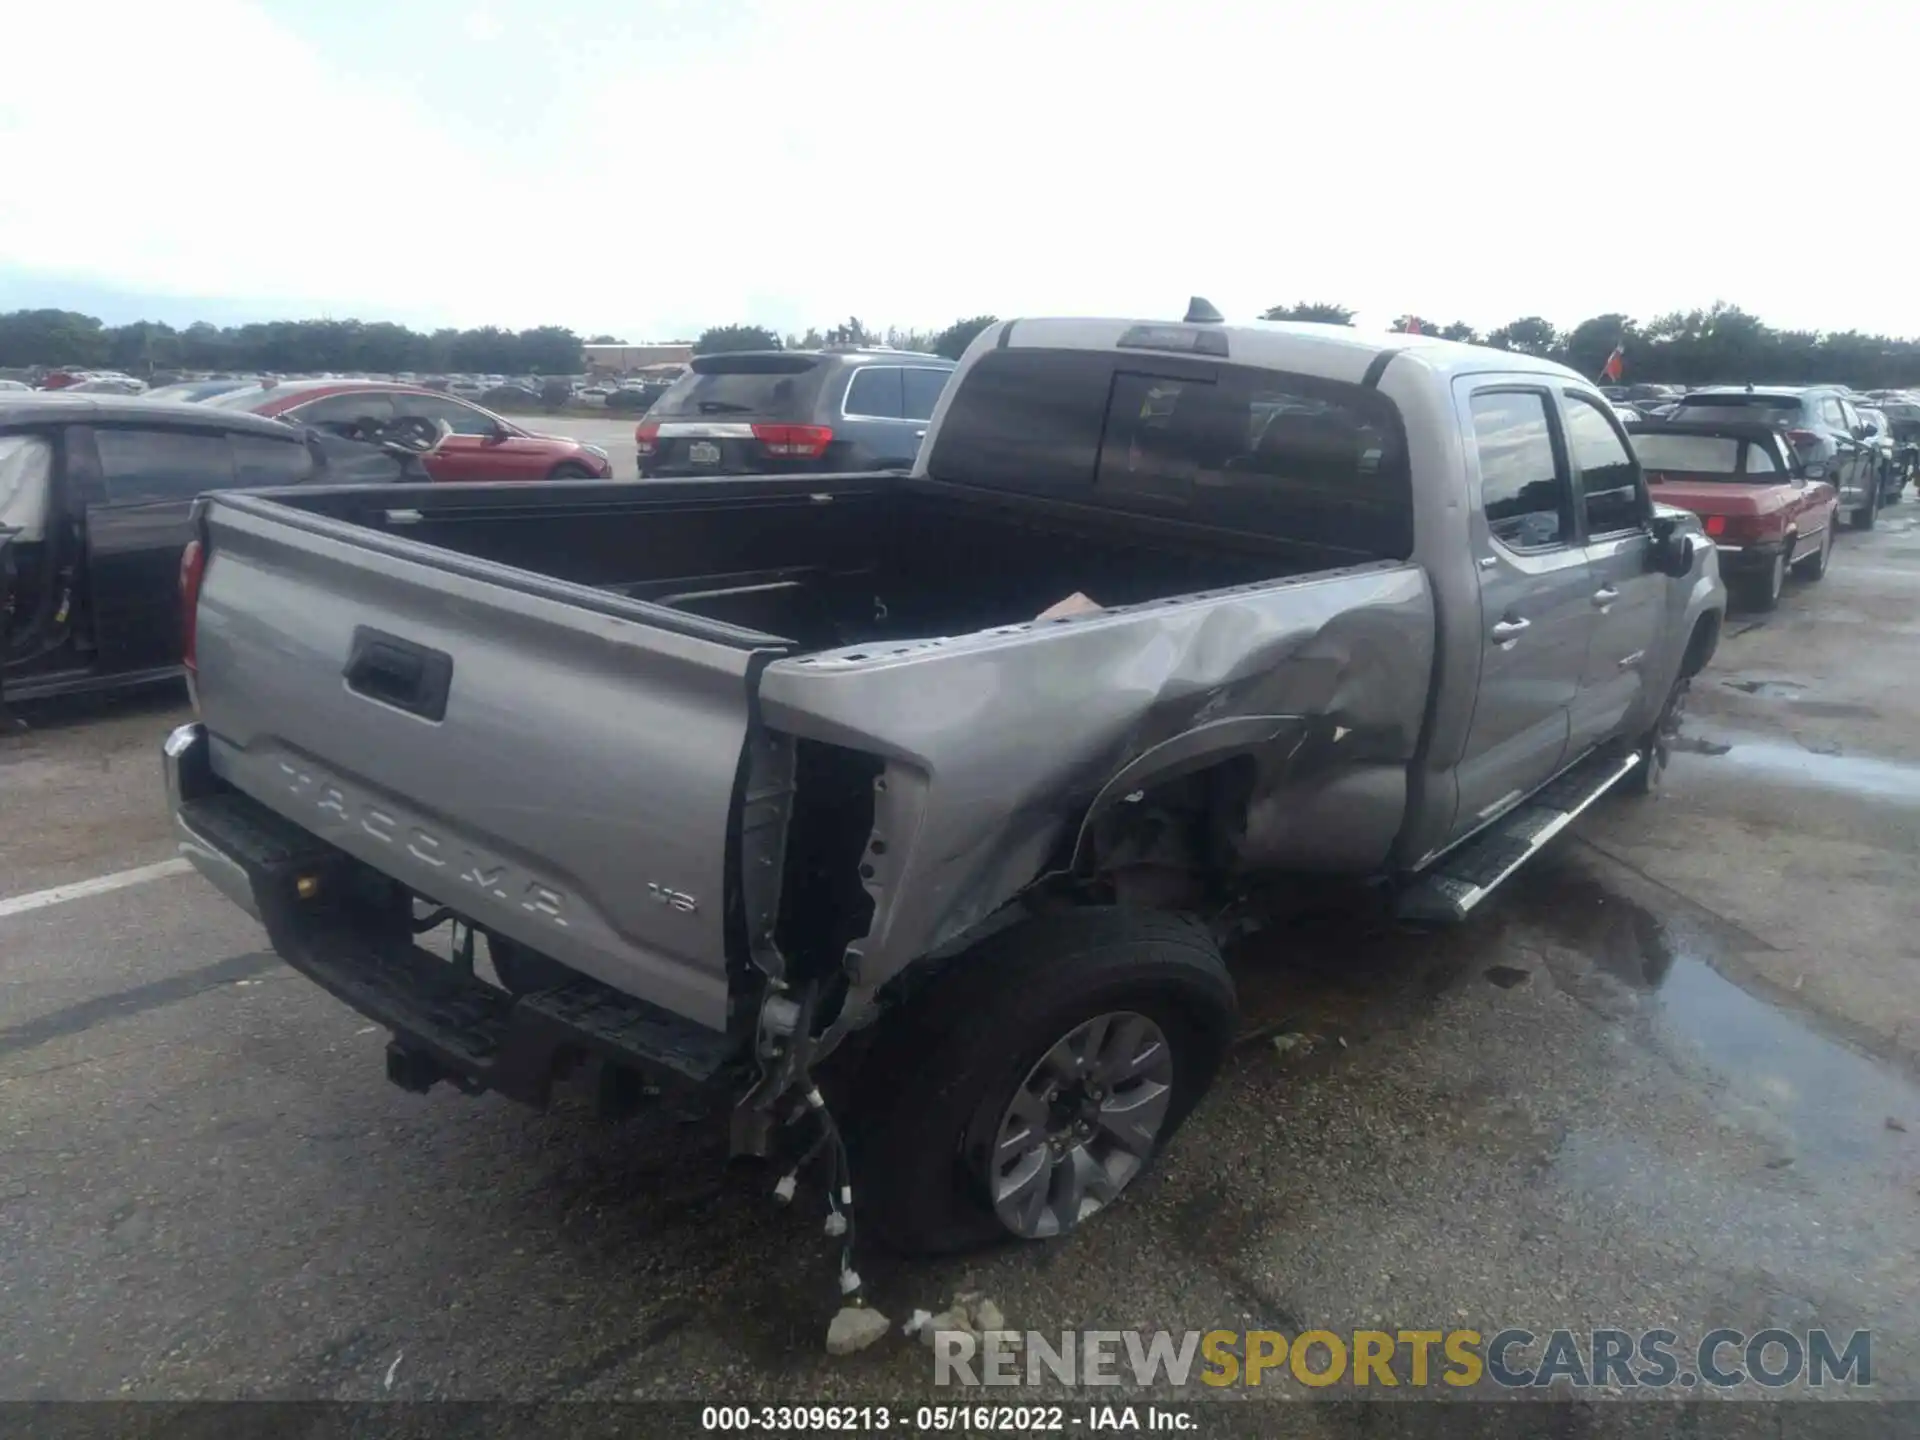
{"points": [[72, 712]]}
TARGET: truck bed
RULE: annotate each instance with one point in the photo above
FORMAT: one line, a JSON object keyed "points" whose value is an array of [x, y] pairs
{"points": [[824, 562], [643, 728]]}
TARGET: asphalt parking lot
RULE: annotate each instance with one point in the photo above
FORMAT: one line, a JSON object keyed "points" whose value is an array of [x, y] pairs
{"points": [[1665, 1080]]}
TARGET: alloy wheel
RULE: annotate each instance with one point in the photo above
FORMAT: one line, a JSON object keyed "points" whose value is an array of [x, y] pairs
{"points": [[1081, 1125]]}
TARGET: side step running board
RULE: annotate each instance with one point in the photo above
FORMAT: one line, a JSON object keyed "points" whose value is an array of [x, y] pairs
{"points": [[1462, 878]]}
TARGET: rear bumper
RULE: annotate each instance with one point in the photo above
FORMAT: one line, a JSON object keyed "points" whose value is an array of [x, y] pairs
{"points": [[190, 778], [352, 934], [1748, 559]]}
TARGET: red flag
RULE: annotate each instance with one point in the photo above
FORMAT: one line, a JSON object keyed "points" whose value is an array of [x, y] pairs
{"points": [[1616, 365]]}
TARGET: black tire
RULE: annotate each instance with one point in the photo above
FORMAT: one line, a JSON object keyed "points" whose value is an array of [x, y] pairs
{"points": [[567, 470], [1762, 592], [1657, 744], [1814, 566], [929, 1095]]}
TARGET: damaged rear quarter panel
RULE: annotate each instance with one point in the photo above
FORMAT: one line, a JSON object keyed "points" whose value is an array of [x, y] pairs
{"points": [[997, 741]]}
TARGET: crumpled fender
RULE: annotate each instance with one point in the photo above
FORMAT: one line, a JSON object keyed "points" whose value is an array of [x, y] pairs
{"points": [[996, 744]]}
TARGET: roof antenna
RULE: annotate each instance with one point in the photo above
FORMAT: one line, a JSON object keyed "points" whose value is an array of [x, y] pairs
{"points": [[1201, 312]]}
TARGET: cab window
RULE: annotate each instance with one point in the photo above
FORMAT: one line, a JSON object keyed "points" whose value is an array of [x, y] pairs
{"points": [[1523, 490], [143, 466], [1609, 477]]}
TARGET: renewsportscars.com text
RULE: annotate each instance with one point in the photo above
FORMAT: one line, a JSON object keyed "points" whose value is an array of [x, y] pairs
{"points": [[1512, 1359]]}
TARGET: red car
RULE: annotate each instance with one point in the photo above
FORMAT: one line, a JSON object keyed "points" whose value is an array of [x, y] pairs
{"points": [[1753, 499], [482, 446]]}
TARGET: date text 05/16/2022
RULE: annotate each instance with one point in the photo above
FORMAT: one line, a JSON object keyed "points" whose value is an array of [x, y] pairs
{"points": [[940, 1419]]}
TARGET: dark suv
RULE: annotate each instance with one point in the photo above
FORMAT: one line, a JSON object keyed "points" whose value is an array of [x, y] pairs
{"points": [[1820, 422], [777, 412]]}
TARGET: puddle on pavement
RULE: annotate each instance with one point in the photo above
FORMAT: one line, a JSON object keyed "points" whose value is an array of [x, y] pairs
{"points": [[1861, 776], [1768, 689], [1827, 1102]]}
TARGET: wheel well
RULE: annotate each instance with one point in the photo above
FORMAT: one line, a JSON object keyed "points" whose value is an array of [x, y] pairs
{"points": [[568, 468], [1701, 644], [1188, 823]]}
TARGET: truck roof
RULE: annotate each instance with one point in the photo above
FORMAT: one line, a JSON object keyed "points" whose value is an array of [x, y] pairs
{"points": [[1334, 351], [56, 407]]}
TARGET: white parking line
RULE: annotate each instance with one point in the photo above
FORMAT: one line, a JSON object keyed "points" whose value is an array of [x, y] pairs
{"points": [[99, 885]]}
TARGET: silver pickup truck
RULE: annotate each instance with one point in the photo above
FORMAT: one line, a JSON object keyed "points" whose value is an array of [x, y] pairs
{"points": [[812, 786]]}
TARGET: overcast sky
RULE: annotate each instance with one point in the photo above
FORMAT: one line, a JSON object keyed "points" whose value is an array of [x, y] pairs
{"points": [[649, 167]]}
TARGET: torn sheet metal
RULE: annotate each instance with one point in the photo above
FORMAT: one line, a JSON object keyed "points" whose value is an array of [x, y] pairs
{"points": [[997, 742]]}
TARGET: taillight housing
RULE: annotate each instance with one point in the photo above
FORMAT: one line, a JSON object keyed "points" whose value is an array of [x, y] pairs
{"points": [[1752, 529], [795, 442], [1716, 524], [1803, 439], [193, 570], [646, 438]]}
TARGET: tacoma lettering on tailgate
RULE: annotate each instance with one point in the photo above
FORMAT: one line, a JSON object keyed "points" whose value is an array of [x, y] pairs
{"points": [[487, 873]]}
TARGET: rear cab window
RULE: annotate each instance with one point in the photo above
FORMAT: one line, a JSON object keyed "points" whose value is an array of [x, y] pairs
{"points": [[1691, 454], [747, 385], [1290, 457]]}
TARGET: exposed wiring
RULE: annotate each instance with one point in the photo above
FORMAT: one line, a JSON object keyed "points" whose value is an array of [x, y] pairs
{"points": [[840, 1192]]}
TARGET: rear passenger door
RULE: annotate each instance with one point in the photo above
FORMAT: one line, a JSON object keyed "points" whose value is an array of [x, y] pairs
{"points": [[1536, 605], [140, 486], [1839, 421], [1629, 597]]}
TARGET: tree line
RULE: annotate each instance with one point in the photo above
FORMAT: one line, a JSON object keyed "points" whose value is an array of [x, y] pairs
{"points": [[1722, 343], [1692, 347], [31, 338], [950, 342], [66, 337]]}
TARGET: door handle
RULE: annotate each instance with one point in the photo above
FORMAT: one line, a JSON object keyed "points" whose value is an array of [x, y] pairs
{"points": [[1605, 596], [1508, 631]]}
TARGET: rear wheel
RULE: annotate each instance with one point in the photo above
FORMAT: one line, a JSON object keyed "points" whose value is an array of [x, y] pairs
{"points": [[1762, 591], [1029, 1085], [1813, 566], [569, 471]]}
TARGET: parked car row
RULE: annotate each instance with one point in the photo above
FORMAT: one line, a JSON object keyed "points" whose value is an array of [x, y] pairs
{"points": [[1772, 471]]}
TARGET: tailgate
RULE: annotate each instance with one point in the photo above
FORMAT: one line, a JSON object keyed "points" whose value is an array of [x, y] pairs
{"points": [[551, 763]]}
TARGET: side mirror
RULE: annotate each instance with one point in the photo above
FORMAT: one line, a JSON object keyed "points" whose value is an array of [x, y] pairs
{"points": [[1869, 429], [1672, 551]]}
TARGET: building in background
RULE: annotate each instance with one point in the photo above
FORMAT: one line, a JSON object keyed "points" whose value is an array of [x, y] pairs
{"points": [[632, 359]]}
